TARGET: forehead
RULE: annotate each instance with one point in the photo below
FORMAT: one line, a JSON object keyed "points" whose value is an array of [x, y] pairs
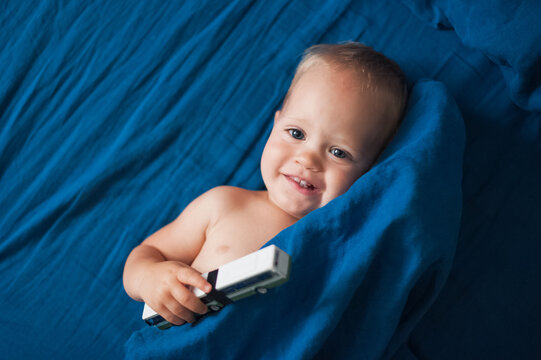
{"points": [[338, 99], [325, 89]]}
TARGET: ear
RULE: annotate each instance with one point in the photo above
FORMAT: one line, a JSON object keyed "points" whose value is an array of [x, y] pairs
{"points": [[276, 116]]}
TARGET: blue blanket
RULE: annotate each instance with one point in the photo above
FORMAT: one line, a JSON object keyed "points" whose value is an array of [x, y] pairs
{"points": [[507, 32], [114, 115]]}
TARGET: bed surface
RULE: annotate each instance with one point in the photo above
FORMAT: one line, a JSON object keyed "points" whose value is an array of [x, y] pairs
{"points": [[114, 115]]}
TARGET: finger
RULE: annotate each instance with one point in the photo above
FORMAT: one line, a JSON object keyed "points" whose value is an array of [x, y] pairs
{"points": [[189, 276], [179, 310], [170, 316], [188, 299], [182, 314], [173, 319]]}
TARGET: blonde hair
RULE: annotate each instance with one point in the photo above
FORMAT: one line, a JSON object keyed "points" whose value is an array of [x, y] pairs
{"points": [[376, 71]]}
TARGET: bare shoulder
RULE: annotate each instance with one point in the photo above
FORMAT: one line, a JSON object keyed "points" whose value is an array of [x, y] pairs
{"points": [[224, 198]]}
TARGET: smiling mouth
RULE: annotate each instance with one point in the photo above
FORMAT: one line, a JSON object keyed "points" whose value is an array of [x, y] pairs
{"points": [[303, 184]]}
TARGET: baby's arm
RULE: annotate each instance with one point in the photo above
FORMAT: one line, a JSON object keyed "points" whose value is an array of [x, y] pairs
{"points": [[158, 272]]}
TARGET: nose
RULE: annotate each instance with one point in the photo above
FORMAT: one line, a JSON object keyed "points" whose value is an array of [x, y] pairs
{"points": [[308, 159]]}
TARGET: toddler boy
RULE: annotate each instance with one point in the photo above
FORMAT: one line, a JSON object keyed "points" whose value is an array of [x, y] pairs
{"points": [[342, 108]]}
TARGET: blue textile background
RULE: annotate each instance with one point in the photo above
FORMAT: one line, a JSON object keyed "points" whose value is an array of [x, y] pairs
{"points": [[115, 114], [508, 32]]}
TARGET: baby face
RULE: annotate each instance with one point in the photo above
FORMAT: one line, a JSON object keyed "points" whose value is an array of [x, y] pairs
{"points": [[327, 135]]}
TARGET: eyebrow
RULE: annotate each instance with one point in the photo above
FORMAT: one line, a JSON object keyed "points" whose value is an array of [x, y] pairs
{"points": [[292, 118]]}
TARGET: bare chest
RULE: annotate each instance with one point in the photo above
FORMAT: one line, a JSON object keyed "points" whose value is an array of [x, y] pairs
{"points": [[232, 237]]}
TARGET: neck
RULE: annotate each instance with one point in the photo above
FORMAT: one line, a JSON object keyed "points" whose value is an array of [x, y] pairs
{"points": [[285, 217]]}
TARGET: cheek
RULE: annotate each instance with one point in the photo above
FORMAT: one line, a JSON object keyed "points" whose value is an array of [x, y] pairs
{"points": [[271, 158], [339, 181]]}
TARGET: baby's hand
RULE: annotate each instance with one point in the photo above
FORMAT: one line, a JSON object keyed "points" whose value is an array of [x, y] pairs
{"points": [[166, 290]]}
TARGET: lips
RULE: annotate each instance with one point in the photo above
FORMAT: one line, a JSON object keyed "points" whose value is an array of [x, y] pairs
{"points": [[302, 185]]}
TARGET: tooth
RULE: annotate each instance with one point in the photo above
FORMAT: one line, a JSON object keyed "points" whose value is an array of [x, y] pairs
{"points": [[296, 178], [303, 183]]}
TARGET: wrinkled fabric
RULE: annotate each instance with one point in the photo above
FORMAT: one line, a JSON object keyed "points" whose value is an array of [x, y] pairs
{"points": [[114, 115], [508, 32]]}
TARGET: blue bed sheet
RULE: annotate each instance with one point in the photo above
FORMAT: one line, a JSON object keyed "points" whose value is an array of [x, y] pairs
{"points": [[507, 32], [114, 115]]}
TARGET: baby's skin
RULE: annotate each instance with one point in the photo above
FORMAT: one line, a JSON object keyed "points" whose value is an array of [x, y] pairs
{"points": [[327, 134]]}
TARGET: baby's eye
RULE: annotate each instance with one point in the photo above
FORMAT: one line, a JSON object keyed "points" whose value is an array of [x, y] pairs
{"points": [[296, 133], [338, 153]]}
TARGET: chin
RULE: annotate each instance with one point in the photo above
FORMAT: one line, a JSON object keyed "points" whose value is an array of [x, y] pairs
{"points": [[298, 213], [291, 206]]}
